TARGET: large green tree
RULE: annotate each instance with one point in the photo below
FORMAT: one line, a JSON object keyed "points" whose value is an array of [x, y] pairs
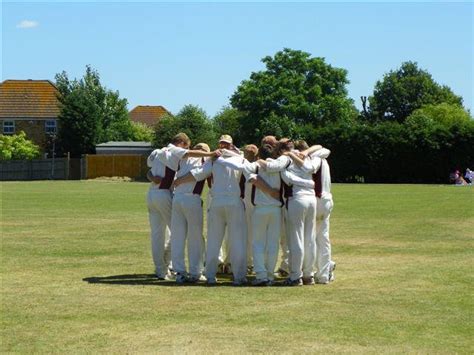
{"points": [[294, 89], [90, 113], [404, 90], [191, 120]]}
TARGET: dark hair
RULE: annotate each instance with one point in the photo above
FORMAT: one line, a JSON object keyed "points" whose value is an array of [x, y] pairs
{"points": [[284, 145], [265, 151], [270, 140]]}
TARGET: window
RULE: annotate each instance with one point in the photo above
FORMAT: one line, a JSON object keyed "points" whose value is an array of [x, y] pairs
{"points": [[8, 127], [50, 126]]}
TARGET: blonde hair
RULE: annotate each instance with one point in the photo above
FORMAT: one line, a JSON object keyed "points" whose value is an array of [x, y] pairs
{"points": [[181, 138]]}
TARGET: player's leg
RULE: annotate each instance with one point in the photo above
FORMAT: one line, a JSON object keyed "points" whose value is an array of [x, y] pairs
{"points": [[238, 241], [295, 238], [272, 241], [259, 226], [323, 244], [178, 239], [193, 214], [309, 241], [215, 232]]}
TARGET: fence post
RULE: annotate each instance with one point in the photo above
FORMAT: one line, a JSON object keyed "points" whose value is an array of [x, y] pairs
{"points": [[84, 166], [67, 167]]}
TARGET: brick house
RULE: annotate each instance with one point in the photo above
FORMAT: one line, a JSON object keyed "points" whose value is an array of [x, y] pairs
{"points": [[148, 115], [30, 106]]}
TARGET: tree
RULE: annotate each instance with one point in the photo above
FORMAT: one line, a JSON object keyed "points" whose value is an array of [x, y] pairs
{"points": [[141, 132], [17, 147], [90, 113], [442, 114], [403, 91], [294, 89], [191, 120], [228, 121]]}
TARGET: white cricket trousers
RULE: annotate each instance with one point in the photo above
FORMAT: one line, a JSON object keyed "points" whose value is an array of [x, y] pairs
{"points": [[232, 215], [323, 244], [266, 224], [248, 218], [186, 225], [285, 252], [301, 235], [159, 215]]}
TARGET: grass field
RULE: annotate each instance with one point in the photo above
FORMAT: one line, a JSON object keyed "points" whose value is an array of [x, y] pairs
{"points": [[404, 278]]}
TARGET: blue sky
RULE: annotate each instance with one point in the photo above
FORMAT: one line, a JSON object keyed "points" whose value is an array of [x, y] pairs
{"points": [[173, 54]]}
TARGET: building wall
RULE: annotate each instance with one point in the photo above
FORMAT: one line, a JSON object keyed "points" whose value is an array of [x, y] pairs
{"points": [[34, 129]]}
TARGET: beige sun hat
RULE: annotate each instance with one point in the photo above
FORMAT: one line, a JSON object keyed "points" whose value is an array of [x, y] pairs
{"points": [[226, 139], [202, 146]]}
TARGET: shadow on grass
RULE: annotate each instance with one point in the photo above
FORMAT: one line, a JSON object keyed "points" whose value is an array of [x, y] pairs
{"points": [[152, 280]]}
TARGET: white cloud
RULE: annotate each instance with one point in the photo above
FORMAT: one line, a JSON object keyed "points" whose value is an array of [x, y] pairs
{"points": [[27, 24]]}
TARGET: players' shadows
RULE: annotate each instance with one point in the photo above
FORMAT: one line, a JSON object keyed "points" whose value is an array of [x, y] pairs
{"points": [[152, 280]]}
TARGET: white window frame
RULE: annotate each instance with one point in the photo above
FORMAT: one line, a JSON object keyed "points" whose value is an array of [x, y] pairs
{"points": [[50, 128], [8, 127]]}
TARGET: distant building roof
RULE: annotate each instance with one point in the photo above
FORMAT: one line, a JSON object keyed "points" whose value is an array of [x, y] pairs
{"points": [[28, 99], [125, 144], [141, 148], [148, 115]]}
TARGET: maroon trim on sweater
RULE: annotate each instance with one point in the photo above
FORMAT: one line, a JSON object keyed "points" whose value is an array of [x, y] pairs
{"points": [[200, 184], [167, 180], [242, 186], [287, 192], [281, 193], [253, 190], [318, 185]]}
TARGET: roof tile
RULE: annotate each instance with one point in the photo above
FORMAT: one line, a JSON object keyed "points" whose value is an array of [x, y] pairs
{"points": [[28, 99], [148, 115]]}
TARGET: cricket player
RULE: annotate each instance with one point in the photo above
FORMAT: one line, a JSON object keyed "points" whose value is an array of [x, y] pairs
{"points": [[300, 216], [322, 186], [186, 213], [324, 205], [159, 201], [250, 155], [226, 210], [266, 215]]}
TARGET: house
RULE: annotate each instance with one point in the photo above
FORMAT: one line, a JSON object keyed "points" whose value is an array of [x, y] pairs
{"points": [[148, 115], [30, 106]]}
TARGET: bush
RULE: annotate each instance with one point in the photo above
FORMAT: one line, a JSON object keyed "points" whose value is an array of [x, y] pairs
{"points": [[391, 152], [141, 132], [17, 147]]}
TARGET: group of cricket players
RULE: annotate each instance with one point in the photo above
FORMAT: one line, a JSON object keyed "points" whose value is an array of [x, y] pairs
{"points": [[260, 200]]}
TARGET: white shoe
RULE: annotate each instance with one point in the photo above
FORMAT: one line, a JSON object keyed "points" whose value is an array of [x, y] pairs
{"points": [[332, 267]]}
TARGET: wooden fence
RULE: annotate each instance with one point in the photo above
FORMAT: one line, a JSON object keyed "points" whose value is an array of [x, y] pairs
{"points": [[133, 166]]}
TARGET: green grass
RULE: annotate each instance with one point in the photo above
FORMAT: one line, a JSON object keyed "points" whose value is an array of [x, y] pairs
{"points": [[404, 278]]}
